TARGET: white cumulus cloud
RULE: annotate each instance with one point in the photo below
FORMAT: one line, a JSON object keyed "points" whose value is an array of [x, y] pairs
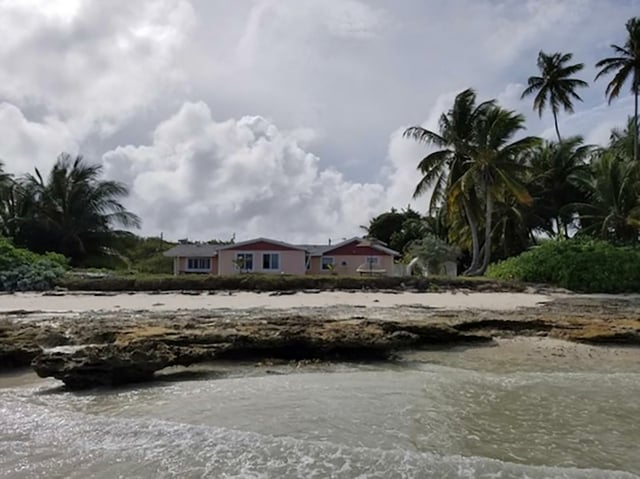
{"points": [[214, 178]]}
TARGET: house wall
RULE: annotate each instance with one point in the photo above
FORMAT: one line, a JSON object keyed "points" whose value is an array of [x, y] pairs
{"points": [[291, 261], [351, 263]]}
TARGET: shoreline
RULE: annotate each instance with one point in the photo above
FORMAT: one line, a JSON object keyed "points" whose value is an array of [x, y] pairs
{"points": [[106, 340]]}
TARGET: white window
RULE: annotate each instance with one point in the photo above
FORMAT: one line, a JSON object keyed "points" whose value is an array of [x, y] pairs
{"points": [[271, 261], [244, 261], [327, 263], [372, 261], [198, 264]]}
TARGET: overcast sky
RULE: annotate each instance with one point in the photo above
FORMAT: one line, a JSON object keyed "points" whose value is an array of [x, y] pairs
{"points": [[278, 118]]}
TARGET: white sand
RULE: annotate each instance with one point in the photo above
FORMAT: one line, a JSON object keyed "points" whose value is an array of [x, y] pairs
{"points": [[243, 300]]}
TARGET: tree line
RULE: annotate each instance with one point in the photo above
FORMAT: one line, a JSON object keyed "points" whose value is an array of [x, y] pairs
{"points": [[494, 193]]}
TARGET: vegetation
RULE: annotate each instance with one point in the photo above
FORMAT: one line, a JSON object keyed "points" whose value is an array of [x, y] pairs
{"points": [[498, 193], [554, 86], [267, 282], [434, 253], [23, 270], [398, 229], [72, 212], [626, 65], [587, 266]]}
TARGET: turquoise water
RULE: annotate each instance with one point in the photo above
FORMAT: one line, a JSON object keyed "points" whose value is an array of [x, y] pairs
{"points": [[371, 421]]}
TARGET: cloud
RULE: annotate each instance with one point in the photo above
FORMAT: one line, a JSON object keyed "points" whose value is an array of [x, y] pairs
{"points": [[92, 64], [184, 97], [212, 179], [26, 145]]}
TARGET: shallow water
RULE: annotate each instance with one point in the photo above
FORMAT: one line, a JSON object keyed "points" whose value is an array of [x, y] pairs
{"points": [[414, 419]]}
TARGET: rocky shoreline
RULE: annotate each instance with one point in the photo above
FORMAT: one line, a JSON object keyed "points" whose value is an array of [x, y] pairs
{"points": [[88, 349]]}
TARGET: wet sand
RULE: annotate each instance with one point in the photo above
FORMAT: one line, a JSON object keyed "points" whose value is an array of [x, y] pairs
{"points": [[534, 354]]}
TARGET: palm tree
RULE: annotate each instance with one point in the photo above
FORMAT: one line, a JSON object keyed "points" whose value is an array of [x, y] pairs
{"points": [[555, 86], [442, 168], [612, 208], [493, 166], [6, 194], [621, 140], [74, 210], [626, 65], [557, 170]]}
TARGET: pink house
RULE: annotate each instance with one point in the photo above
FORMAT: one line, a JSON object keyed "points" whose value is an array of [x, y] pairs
{"points": [[262, 255]]}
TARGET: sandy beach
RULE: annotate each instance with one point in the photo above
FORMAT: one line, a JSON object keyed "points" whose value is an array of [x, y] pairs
{"points": [[83, 302]]}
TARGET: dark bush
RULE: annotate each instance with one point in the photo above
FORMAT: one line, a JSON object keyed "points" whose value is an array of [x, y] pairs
{"points": [[584, 266]]}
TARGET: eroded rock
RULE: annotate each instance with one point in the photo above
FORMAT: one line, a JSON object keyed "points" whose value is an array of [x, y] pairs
{"points": [[105, 365]]}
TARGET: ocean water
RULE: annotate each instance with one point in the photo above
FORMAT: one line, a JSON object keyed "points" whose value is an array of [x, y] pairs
{"points": [[410, 420]]}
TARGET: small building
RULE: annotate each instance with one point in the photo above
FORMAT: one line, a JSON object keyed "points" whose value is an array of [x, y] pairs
{"points": [[352, 257]]}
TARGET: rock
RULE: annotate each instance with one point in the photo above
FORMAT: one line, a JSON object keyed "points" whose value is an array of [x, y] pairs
{"points": [[18, 356], [106, 365], [51, 339], [18, 345], [404, 337]]}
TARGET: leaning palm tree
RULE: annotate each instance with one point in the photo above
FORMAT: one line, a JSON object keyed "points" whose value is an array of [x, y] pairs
{"points": [[494, 166], [554, 86], [442, 168], [75, 210], [626, 65]]}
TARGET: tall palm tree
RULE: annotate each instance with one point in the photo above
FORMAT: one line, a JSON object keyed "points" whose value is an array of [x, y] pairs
{"points": [[555, 86], [493, 166], [557, 170], [442, 168], [75, 210], [626, 65]]}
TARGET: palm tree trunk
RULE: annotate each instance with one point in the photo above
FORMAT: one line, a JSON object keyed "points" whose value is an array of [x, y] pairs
{"points": [[635, 125], [487, 233], [555, 122], [475, 239]]}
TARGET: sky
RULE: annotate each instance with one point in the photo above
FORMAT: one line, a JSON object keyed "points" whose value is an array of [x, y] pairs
{"points": [[277, 118]]}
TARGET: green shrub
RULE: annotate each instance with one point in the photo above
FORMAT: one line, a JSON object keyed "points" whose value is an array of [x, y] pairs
{"points": [[23, 270], [260, 282], [584, 266]]}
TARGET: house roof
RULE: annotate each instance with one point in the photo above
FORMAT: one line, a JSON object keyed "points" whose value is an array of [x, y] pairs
{"points": [[193, 250], [319, 250], [207, 250], [259, 240], [313, 249]]}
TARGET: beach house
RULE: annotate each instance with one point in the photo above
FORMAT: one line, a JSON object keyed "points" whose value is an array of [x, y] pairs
{"points": [[355, 256]]}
